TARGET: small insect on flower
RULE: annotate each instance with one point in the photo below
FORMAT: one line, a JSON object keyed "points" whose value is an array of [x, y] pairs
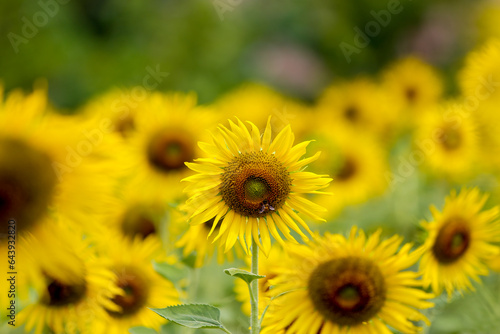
{"points": [[252, 186], [265, 207]]}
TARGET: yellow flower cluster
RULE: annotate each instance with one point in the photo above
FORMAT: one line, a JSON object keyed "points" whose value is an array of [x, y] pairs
{"points": [[96, 205]]}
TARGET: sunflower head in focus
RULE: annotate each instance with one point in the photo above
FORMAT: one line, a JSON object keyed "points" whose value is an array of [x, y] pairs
{"points": [[347, 285], [253, 185], [412, 84], [168, 127], [142, 287], [460, 242]]}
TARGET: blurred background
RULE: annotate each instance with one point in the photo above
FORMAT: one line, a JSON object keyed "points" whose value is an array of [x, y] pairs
{"points": [[84, 47]]}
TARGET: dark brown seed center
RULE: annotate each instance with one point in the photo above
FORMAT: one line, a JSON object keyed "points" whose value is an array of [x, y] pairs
{"points": [[27, 183], [169, 149], [138, 220], [347, 291], [254, 184], [347, 170], [135, 294], [451, 139], [60, 294], [452, 241], [351, 113]]}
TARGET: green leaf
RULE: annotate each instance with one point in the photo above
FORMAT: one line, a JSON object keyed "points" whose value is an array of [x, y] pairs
{"points": [[193, 315], [243, 274], [142, 330], [171, 272]]}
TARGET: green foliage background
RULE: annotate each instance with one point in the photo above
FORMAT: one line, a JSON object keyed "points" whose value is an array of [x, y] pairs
{"points": [[89, 46]]}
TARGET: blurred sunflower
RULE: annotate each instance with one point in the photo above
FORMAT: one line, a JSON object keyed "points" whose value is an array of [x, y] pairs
{"points": [[268, 267], [412, 84], [143, 287], [115, 111], [480, 76], [47, 163], [449, 145], [356, 162], [359, 105], [251, 184], [487, 119], [256, 102], [165, 137], [140, 214], [199, 240], [354, 285], [487, 20], [460, 242], [73, 285]]}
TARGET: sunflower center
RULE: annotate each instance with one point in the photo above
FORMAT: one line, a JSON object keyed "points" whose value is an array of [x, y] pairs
{"points": [[27, 183], [60, 294], [125, 126], [411, 94], [451, 139], [351, 113], [347, 170], [134, 294], [452, 241], [169, 149], [138, 221], [253, 184], [347, 291], [256, 189]]}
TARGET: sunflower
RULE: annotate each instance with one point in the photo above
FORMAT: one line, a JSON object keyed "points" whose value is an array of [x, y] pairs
{"points": [[354, 285], [480, 76], [143, 287], [449, 146], [165, 138], [359, 104], [140, 214], [249, 184], [487, 21], [47, 162], [256, 102], [115, 110], [487, 119], [460, 242], [412, 84], [73, 285], [356, 162], [268, 267]]}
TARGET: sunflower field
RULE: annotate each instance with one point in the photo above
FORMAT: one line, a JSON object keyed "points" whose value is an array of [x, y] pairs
{"points": [[233, 166]]}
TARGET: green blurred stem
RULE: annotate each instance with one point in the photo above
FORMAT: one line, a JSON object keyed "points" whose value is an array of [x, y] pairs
{"points": [[192, 291], [254, 290]]}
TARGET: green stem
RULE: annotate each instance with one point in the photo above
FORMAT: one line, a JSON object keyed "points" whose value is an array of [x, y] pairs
{"points": [[254, 289]]}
